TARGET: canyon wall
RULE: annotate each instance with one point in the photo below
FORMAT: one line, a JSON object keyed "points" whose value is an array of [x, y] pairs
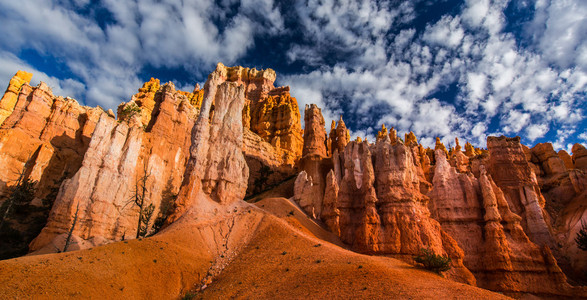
{"points": [[483, 208], [506, 216]]}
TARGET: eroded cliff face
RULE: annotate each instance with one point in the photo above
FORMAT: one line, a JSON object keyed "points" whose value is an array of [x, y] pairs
{"points": [[44, 140], [10, 97], [563, 183], [121, 153], [269, 112], [477, 214], [507, 216], [150, 138], [487, 210]]}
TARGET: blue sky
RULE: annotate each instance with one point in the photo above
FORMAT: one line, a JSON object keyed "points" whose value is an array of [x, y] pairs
{"points": [[463, 69]]}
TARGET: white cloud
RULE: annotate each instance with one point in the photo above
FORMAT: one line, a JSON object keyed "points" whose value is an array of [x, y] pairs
{"points": [[535, 131], [10, 64], [447, 32], [168, 34], [363, 64]]}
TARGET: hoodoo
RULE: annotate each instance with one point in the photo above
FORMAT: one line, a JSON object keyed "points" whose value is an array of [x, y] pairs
{"points": [[222, 181]]}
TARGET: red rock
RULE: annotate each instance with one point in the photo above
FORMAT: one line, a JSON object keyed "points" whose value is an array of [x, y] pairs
{"points": [[475, 212], [118, 153], [511, 172], [470, 150], [567, 159], [547, 159], [10, 97], [216, 166], [269, 112], [440, 146], [579, 156], [410, 139], [330, 211], [339, 137], [380, 207], [314, 133], [382, 134], [52, 132]]}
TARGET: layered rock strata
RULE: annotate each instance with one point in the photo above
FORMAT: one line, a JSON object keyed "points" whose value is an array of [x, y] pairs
{"points": [[497, 250], [120, 155], [216, 165], [269, 112], [10, 97], [50, 133], [373, 202], [512, 173]]}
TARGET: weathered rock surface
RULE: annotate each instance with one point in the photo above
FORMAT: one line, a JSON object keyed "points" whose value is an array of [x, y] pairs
{"points": [[378, 207], [216, 165], [503, 214], [52, 133], [269, 112], [339, 136], [119, 154], [268, 166], [44, 139], [511, 172], [547, 159], [310, 185], [475, 212], [276, 119], [579, 156], [314, 132], [10, 97]]}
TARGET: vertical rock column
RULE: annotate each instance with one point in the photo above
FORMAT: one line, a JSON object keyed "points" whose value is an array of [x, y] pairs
{"points": [[216, 166], [10, 97]]}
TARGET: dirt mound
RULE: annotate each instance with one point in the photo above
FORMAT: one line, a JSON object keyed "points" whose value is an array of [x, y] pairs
{"points": [[235, 251]]}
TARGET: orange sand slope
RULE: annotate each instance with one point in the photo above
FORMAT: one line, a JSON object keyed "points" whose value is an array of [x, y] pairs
{"points": [[239, 251]]}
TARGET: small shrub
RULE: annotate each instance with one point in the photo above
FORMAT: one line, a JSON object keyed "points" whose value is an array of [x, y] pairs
{"points": [[432, 262], [189, 296], [129, 111], [581, 238]]}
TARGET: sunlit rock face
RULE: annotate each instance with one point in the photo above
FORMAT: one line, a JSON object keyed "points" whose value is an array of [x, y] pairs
{"points": [[119, 154], [507, 215]]}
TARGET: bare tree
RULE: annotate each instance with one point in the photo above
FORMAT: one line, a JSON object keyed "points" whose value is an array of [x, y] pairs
{"points": [[20, 194], [70, 233], [138, 197]]}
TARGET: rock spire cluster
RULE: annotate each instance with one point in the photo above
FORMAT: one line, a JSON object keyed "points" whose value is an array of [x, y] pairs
{"points": [[506, 215]]}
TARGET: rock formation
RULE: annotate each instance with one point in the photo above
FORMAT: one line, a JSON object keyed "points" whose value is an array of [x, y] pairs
{"points": [[475, 212], [506, 216], [378, 208], [119, 154], [579, 156], [339, 136], [44, 138], [216, 166], [511, 172], [314, 133], [269, 112], [309, 186], [10, 97]]}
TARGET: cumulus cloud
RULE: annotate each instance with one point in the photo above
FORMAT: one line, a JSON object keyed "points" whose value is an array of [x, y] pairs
{"points": [[495, 77], [10, 64], [108, 54], [372, 61]]}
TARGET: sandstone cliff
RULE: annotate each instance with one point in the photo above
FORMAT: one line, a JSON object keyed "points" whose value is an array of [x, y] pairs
{"points": [[10, 97], [269, 112], [476, 213], [44, 138], [507, 216], [119, 154]]}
